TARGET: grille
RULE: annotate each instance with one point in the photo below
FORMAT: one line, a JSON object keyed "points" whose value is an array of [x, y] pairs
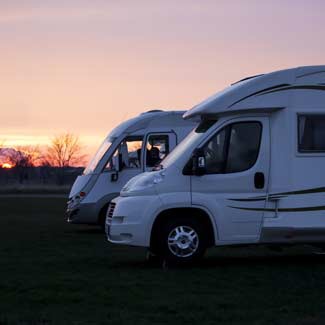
{"points": [[110, 210]]}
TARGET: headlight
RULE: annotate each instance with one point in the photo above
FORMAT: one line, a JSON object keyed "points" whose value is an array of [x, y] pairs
{"points": [[143, 181]]}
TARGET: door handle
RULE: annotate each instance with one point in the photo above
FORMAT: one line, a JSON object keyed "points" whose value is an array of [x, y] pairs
{"points": [[259, 180]]}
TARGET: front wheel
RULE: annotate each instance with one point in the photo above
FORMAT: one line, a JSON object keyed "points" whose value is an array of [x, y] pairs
{"points": [[102, 217], [183, 240]]}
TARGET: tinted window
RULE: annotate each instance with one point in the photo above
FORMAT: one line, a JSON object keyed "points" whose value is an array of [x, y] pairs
{"points": [[215, 152], [233, 149], [205, 126], [129, 152], [157, 149], [311, 129]]}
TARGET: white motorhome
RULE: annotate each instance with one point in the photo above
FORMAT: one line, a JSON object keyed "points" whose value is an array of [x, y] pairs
{"points": [[251, 173], [133, 147]]}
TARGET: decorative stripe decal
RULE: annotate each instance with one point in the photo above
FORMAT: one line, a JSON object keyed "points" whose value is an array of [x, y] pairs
{"points": [[249, 200], [278, 88], [282, 194], [307, 191], [303, 209], [310, 87], [260, 198], [310, 73], [259, 92]]}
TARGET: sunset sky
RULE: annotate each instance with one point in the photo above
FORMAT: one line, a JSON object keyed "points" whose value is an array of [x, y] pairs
{"points": [[84, 66]]}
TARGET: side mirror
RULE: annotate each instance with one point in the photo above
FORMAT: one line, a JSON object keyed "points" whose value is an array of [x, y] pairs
{"points": [[198, 162], [114, 176], [117, 162]]}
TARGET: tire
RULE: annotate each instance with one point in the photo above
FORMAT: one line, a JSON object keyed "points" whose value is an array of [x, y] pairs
{"points": [[182, 240], [102, 217]]}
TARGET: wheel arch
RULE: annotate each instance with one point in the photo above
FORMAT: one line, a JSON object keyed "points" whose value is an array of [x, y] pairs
{"points": [[193, 212], [102, 205]]}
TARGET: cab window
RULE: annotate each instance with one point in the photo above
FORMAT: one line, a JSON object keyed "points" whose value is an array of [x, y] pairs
{"points": [[311, 129], [157, 148], [127, 154], [233, 149]]}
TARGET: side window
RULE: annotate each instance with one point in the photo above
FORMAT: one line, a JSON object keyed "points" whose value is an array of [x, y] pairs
{"points": [[311, 133], [215, 152], [233, 149], [128, 154], [157, 148]]}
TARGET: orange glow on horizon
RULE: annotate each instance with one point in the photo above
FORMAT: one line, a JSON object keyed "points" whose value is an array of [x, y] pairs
{"points": [[7, 166], [85, 66]]}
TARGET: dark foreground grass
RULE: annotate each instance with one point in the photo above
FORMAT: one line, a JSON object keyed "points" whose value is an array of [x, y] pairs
{"points": [[55, 273]]}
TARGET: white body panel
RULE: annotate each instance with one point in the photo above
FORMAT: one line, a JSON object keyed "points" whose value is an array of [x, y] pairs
{"points": [[219, 192], [290, 206], [98, 184]]}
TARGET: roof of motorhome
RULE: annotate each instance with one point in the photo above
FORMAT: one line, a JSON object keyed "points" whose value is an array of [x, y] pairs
{"points": [[154, 118], [250, 93]]}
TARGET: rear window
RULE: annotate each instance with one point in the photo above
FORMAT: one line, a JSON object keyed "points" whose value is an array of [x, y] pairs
{"points": [[311, 133]]}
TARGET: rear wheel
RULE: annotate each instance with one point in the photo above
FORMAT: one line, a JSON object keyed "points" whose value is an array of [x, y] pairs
{"points": [[182, 240]]}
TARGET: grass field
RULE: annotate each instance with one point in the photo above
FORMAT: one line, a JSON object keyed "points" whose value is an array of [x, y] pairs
{"points": [[55, 273]]}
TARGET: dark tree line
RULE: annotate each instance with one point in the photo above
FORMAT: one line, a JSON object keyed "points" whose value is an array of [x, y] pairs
{"points": [[59, 158]]}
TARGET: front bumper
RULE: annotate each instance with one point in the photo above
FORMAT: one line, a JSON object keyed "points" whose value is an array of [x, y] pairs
{"points": [[129, 219], [82, 213]]}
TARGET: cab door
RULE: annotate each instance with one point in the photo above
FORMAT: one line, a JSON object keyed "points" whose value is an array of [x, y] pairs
{"points": [[124, 164], [234, 187], [157, 147]]}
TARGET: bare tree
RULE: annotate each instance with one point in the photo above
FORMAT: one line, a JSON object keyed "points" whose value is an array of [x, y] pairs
{"points": [[23, 158], [28, 156], [65, 151]]}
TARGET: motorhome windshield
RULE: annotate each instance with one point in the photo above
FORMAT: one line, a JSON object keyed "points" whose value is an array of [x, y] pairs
{"points": [[181, 149], [98, 156], [187, 144]]}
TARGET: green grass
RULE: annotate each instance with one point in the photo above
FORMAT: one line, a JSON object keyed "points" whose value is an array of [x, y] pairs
{"points": [[55, 273]]}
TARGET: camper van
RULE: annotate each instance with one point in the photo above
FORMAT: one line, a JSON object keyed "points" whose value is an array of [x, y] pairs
{"points": [[133, 147], [252, 172]]}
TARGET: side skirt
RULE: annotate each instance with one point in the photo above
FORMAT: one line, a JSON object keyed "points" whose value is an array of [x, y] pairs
{"points": [[292, 235]]}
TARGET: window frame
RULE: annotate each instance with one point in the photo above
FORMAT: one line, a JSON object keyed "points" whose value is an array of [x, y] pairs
{"points": [[144, 154], [126, 138], [228, 136], [306, 153]]}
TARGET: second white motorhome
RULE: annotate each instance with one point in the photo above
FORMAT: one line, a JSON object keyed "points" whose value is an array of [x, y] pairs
{"points": [[251, 173], [135, 146]]}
